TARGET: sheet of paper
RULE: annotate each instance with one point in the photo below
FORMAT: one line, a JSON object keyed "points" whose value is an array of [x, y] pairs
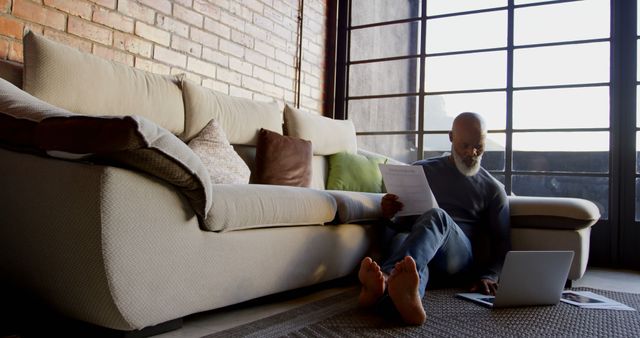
{"points": [[590, 300], [410, 184]]}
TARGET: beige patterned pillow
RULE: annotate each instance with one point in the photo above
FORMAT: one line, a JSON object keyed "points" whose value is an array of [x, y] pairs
{"points": [[225, 166]]}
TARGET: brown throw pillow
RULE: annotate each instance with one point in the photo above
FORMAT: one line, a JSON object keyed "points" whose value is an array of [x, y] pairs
{"points": [[283, 160]]}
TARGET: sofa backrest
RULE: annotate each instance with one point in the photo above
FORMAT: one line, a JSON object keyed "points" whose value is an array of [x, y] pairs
{"points": [[86, 84], [11, 72]]}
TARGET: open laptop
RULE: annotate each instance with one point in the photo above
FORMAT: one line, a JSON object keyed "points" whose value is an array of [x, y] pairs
{"points": [[528, 278]]}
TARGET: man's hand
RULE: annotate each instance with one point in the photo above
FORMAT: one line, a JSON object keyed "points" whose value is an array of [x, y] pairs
{"points": [[485, 286], [390, 205]]}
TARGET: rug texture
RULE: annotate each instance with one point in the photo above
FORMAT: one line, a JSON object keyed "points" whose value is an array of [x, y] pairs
{"points": [[447, 316]]}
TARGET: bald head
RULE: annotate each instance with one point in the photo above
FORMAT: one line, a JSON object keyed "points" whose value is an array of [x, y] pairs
{"points": [[467, 138]]}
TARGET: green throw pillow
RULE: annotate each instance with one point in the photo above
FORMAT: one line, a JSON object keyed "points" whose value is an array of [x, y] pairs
{"points": [[354, 172]]}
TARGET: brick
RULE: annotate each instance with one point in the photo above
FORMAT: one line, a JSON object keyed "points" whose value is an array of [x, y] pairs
{"points": [[217, 28], [190, 76], [285, 57], [4, 49], [232, 21], [11, 28], [163, 6], [152, 33], [85, 29], [169, 24], [137, 11], [201, 67], [216, 85], [284, 8], [73, 7], [241, 38], [276, 41], [185, 3], [132, 44], [206, 39], [186, 46], [188, 16], [34, 27], [215, 56], [273, 90], [111, 4], [150, 66], [169, 56], [283, 81], [254, 5], [240, 92], [15, 52], [263, 22], [254, 31], [68, 40], [114, 55], [272, 14], [262, 98], [264, 48], [229, 76], [252, 84], [240, 66], [31, 11], [113, 20], [277, 67], [284, 33], [255, 58], [5, 6], [263, 74], [232, 48], [207, 9]]}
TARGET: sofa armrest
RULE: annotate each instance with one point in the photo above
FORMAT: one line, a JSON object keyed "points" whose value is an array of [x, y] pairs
{"points": [[374, 154], [552, 212], [62, 229]]}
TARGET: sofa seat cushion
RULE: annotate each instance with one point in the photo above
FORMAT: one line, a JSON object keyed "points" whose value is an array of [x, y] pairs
{"points": [[240, 206], [552, 212], [89, 85], [354, 206], [240, 118], [130, 141]]}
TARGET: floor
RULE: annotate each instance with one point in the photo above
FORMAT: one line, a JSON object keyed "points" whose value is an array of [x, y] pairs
{"points": [[209, 322]]}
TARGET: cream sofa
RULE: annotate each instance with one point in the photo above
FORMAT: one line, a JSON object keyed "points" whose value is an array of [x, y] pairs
{"points": [[126, 250]]}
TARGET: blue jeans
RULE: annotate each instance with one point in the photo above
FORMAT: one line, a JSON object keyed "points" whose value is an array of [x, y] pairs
{"points": [[435, 240]]}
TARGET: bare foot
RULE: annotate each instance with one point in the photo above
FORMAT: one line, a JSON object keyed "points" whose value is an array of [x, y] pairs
{"points": [[403, 290], [373, 282]]}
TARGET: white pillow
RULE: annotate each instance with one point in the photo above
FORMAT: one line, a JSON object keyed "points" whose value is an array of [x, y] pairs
{"points": [[224, 165], [328, 136]]}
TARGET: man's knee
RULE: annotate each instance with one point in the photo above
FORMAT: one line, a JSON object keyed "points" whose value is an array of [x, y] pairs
{"points": [[434, 217]]}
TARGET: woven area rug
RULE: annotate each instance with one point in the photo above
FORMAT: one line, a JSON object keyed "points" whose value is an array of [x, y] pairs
{"points": [[447, 316]]}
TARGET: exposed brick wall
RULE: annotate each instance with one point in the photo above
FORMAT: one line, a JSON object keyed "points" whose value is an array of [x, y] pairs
{"points": [[240, 47]]}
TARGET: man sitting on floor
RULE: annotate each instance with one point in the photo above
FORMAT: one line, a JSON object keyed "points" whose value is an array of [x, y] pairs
{"points": [[473, 205]]}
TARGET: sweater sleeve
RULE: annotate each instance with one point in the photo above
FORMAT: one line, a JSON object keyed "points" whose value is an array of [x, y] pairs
{"points": [[499, 235]]}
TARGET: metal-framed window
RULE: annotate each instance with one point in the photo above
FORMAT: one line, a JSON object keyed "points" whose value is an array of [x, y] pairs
{"points": [[550, 77]]}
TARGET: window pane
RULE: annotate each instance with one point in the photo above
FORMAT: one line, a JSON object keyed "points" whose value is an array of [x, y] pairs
{"points": [[436, 7], [561, 151], [637, 199], [637, 152], [389, 114], [436, 145], [369, 11], [385, 41], [467, 32], [571, 64], [391, 77], [440, 110], [541, 24], [595, 189], [561, 108], [399, 147], [467, 71]]}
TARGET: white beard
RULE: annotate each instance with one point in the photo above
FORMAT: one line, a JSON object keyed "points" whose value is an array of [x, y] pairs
{"points": [[462, 167]]}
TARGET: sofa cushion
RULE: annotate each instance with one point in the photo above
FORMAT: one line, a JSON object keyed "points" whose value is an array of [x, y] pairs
{"points": [[328, 136], [240, 118], [20, 114], [244, 206], [132, 141], [89, 85], [224, 165], [355, 172], [282, 160], [11, 72], [354, 207], [552, 212]]}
